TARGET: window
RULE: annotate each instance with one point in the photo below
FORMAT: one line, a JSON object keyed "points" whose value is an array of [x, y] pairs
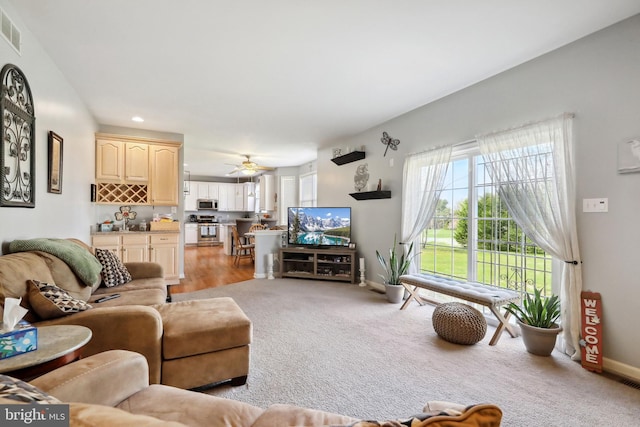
{"points": [[308, 189], [472, 236]]}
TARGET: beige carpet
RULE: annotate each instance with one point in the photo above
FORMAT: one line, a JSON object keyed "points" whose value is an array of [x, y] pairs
{"points": [[342, 348]]}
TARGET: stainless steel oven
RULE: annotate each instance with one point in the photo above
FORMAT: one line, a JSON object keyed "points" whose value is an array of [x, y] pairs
{"points": [[208, 230], [208, 234]]}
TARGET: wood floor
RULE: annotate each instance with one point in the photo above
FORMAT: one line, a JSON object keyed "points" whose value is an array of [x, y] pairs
{"points": [[208, 267]]}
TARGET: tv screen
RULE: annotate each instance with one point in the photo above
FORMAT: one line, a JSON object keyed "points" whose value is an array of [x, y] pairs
{"points": [[315, 226]]}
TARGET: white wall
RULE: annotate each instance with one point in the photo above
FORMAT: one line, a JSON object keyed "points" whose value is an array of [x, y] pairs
{"points": [[598, 79], [57, 108]]}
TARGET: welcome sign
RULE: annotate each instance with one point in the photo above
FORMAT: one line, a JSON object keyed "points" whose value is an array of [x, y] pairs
{"points": [[591, 341]]}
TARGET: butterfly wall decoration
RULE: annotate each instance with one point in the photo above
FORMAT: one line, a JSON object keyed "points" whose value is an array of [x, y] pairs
{"points": [[389, 142]]}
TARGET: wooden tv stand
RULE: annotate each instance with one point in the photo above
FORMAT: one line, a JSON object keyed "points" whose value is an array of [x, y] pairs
{"points": [[318, 263]]}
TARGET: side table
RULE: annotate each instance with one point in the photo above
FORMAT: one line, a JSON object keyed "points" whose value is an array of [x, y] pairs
{"points": [[57, 346]]}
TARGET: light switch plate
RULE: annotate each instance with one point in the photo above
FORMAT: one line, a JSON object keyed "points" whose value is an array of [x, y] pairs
{"points": [[595, 205]]}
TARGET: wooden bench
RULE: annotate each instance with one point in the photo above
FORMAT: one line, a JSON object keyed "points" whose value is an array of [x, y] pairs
{"points": [[478, 293]]}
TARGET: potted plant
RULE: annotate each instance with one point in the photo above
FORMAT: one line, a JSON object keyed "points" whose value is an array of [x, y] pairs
{"points": [[395, 267], [537, 318]]}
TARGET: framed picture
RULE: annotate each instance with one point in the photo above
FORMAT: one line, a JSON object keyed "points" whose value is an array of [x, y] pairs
{"points": [[55, 163], [629, 156]]}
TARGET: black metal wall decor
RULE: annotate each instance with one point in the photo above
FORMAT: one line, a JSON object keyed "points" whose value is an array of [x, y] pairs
{"points": [[18, 125], [389, 142]]}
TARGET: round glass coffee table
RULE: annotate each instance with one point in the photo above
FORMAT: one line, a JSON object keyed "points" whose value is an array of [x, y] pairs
{"points": [[57, 346]]}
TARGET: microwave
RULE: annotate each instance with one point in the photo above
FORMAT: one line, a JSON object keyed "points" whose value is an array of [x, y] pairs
{"points": [[207, 204]]}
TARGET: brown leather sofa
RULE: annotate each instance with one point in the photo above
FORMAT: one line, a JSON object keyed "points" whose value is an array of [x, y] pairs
{"points": [[187, 344], [112, 388]]}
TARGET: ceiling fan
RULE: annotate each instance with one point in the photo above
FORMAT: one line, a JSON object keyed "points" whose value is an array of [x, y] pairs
{"points": [[249, 168]]}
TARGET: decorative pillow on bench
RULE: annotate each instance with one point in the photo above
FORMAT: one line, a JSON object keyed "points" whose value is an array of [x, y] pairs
{"points": [[50, 301], [114, 273], [483, 415]]}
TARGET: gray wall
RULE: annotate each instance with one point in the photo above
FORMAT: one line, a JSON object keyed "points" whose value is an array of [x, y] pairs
{"points": [[598, 79]]}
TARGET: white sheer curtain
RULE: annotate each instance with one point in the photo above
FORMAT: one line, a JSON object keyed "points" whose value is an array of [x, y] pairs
{"points": [[533, 168], [423, 178]]}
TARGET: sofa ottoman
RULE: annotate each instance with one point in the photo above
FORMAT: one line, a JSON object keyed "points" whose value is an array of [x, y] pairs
{"points": [[204, 342]]}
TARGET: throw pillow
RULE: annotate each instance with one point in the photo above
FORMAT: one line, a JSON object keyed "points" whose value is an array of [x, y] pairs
{"points": [[114, 273], [50, 301], [483, 415], [14, 389]]}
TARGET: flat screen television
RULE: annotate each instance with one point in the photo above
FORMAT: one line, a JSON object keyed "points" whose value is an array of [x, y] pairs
{"points": [[320, 227]]}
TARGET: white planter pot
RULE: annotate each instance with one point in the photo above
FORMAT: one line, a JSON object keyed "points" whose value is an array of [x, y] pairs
{"points": [[394, 293]]}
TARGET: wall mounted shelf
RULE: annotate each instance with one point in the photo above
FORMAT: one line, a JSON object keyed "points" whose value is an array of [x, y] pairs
{"points": [[348, 158], [369, 195]]}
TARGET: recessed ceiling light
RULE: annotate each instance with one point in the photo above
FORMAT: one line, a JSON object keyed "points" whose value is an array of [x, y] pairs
{"points": [[137, 119]]}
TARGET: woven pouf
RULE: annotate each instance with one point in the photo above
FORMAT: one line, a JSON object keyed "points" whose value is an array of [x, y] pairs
{"points": [[459, 323]]}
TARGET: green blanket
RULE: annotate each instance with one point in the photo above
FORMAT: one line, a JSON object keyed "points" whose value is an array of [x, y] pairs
{"points": [[82, 262]]}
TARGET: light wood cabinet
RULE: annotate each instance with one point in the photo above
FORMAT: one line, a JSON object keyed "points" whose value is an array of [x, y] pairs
{"points": [[136, 162], [141, 247], [164, 175], [163, 249], [109, 160], [137, 171], [109, 242], [135, 248]]}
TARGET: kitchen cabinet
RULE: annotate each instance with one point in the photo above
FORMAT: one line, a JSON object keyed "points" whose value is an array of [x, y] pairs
{"points": [[191, 199], [136, 162], [109, 160], [231, 197], [267, 193], [121, 161], [163, 249], [135, 248], [164, 175], [136, 171], [140, 247], [191, 234], [249, 197], [208, 190], [223, 200], [107, 242]]}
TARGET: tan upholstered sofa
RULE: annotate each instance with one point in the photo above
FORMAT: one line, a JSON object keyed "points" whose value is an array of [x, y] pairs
{"points": [[187, 344], [111, 388]]}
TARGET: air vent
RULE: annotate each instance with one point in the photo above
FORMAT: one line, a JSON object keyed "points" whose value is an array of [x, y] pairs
{"points": [[630, 383], [10, 32]]}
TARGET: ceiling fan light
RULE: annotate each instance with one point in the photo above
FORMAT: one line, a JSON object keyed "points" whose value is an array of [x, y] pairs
{"points": [[248, 171]]}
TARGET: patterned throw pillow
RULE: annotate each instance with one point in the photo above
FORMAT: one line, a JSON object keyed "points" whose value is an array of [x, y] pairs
{"points": [[114, 273], [50, 301], [14, 389], [482, 415]]}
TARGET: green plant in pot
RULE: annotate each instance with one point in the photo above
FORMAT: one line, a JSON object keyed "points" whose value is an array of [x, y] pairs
{"points": [[537, 318], [394, 267]]}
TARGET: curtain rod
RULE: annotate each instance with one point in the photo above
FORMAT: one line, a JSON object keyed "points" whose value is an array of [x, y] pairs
{"points": [[474, 140], [528, 124]]}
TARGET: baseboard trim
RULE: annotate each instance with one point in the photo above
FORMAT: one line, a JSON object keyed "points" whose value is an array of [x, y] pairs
{"points": [[621, 369]]}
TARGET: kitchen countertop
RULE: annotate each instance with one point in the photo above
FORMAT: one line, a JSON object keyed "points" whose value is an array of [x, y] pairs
{"points": [[99, 233]]}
